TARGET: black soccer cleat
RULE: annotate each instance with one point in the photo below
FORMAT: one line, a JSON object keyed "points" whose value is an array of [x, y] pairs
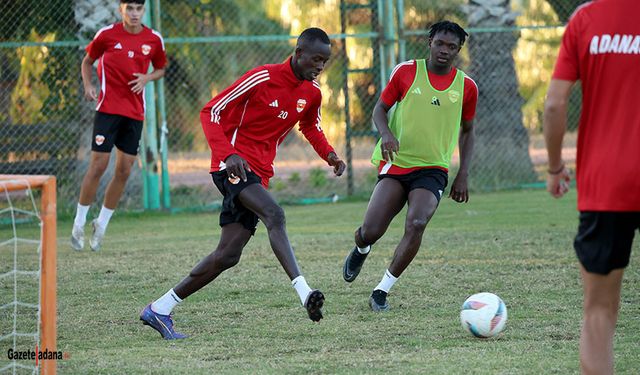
{"points": [[353, 264], [313, 304], [378, 301]]}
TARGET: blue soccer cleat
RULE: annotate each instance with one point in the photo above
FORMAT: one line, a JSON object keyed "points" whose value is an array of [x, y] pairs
{"points": [[161, 323]]}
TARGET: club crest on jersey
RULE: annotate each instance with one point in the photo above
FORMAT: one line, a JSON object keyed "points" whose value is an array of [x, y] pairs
{"points": [[99, 139], [301, 104], [146, 49], [453, 95]]}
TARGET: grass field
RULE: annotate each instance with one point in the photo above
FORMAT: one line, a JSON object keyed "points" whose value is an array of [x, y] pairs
{"points": [[515, 244]]}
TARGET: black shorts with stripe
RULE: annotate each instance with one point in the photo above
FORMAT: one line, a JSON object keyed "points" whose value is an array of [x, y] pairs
{"points": [[433, 179]]}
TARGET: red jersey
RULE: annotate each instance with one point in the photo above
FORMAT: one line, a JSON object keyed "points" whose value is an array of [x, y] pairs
{"points": [[121, 54], [254, 115], [601, 48], [402, 78]]}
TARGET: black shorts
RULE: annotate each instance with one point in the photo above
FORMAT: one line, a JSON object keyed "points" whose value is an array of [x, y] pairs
{"points": [[121, 131], [232, 210], [604, 239], [433, 179]]}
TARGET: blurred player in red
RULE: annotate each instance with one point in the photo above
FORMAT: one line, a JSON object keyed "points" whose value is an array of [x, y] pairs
{"points": [[601, 49], [244, 125], [124, 50]]}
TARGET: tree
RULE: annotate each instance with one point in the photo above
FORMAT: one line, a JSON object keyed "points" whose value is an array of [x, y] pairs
{"points": [[501, 157], [564, 8], [45, 73]]}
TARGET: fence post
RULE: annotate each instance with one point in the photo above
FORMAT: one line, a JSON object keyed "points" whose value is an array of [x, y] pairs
{"points": [[151, 151], [164, 130], [402, 42]]}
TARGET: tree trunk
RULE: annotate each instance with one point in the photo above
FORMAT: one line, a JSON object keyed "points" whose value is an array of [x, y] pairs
{"points": [[501, 158]]}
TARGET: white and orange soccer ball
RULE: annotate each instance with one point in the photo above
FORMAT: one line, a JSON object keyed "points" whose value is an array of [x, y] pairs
{"points": [[483, 315]]}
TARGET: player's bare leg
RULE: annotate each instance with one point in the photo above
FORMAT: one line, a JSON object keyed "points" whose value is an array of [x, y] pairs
{"points": [[233, 238], [97, 165], [112, 195], [601, 304], [422, 206], [261, 202], [386, 202], [257, 199]]}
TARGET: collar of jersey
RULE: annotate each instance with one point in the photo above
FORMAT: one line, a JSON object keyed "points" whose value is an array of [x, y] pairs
{"points": [[287, 71]]}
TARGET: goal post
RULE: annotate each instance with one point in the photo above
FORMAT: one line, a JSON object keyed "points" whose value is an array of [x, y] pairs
{"points": [[48, 256]]}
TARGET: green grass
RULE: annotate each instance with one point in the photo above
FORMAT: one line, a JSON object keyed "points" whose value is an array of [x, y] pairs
{"points": [[515, 244]]}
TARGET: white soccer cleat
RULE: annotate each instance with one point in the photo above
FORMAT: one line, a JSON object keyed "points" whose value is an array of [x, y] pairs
{"points": [[98, 234], [77, 237]]}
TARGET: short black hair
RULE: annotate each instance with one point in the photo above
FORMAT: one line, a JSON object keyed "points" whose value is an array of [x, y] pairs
{"points": [[448, 27], [314, 33], [141, 2]]}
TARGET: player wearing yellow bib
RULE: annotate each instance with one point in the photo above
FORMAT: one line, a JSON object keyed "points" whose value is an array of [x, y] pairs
{"points": [[434, 109]]}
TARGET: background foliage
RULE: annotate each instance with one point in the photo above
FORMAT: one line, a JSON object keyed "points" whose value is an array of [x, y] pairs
{"points": [[510, 54]]}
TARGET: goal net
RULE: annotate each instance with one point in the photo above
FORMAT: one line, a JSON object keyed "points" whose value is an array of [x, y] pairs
{"points": [[28, 274]]}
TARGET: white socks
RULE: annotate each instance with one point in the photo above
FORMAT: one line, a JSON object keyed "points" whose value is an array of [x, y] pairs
{"points": [[104, 217], [364, 250], [166, 303], [301, 286], [387, 282], [81, 215]]}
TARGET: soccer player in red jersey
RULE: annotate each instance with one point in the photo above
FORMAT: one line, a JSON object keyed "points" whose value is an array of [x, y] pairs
{"points": [[124, 51], [435, 105], [244, 125], [601, 49]]}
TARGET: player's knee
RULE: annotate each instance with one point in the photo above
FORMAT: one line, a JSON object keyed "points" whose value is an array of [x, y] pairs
{"points": [[226, 260], [123, 171], [416, 226], [274, 217], [97, 169], [606, 308]]}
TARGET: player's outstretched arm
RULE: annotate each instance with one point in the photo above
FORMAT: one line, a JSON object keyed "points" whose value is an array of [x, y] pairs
{"points": [[312, 131], [459, 188]]}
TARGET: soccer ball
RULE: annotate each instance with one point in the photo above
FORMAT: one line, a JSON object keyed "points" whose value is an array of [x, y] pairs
{"points": [[483, 315]]}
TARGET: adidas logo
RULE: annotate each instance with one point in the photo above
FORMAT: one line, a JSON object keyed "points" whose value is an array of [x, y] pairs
{"points": [[435, 101], [416, 91], [274, 103], [118, 46]]}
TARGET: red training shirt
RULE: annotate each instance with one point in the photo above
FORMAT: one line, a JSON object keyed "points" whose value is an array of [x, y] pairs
{"points": [[121, 54], [601, 48], [402, 78], [254, 115]]}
